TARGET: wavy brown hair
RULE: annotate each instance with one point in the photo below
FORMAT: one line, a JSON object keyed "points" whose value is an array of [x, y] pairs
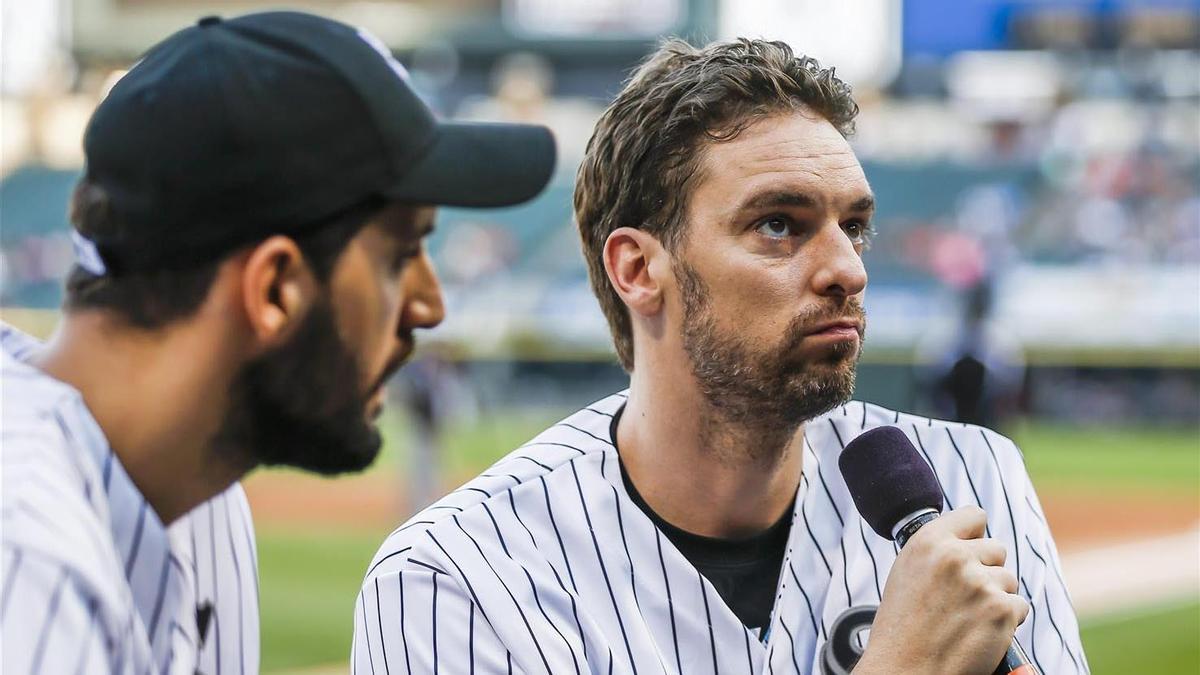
{"points": [[645, 153]]}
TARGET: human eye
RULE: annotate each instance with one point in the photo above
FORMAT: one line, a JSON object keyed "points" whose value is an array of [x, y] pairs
{"points": [[860, 232], [775, 227], [402, 257]]}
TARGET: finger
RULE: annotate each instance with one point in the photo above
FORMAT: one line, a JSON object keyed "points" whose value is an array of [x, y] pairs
{"points": [[1019, 607], [967, 522], [989, 552], [1002, 578]]}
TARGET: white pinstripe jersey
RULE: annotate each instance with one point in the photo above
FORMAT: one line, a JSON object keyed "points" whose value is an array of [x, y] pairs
{"points": [[543, 564], [91, 581]]}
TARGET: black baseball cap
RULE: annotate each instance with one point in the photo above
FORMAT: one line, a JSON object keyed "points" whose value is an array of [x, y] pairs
{"points": [[232, 130]]}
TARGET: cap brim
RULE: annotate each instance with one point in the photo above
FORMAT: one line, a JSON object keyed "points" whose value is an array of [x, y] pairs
{"points": [[480, 165]]}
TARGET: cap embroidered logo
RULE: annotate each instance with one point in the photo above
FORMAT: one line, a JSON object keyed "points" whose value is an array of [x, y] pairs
{"points": [[86, 254]]}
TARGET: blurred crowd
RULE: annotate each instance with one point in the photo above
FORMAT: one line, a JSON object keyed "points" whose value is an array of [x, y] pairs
{"points": [[1099, 167], [1035, 174]]}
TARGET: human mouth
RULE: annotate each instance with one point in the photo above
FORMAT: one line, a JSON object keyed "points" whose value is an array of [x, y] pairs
{"points": [[836, 331], [376, 404], [377, 397]]}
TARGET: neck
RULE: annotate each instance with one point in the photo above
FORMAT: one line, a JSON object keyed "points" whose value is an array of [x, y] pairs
{"points": [[702, 473], [158, 396]]}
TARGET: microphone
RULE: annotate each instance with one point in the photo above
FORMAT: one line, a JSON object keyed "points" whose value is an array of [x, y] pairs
{"points": [[897, 493]]}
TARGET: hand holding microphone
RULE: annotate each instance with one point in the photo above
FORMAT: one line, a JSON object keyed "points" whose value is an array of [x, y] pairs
{"points": [[950, 605]]}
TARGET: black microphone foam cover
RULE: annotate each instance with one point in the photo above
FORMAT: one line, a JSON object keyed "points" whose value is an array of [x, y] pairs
{"points": [[888, 478]]}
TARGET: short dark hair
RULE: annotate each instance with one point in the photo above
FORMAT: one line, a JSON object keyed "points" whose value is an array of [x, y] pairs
{"points": [[644, 155], [154, 298]]}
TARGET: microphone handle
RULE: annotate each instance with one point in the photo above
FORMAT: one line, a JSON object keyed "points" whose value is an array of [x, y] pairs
{"points": [[1015, 661]]}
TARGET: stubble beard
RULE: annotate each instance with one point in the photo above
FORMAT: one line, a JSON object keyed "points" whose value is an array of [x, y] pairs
{"points": [[768, 392]]}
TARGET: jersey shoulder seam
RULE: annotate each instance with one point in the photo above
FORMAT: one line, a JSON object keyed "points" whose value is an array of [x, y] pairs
{"points": [[443, 520], [423, 522]]}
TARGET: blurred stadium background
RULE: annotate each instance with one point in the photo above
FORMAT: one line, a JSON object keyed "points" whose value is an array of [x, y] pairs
{"points": [[1037, 165]]}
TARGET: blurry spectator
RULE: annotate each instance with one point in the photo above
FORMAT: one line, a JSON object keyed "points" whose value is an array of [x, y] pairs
{"points": [[476, 250], [978, 371], [433, 394], [522, 91]]}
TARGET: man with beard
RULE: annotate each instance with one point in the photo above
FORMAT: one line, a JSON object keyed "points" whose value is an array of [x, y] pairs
{"points": [[697, 522], [251, 271]]}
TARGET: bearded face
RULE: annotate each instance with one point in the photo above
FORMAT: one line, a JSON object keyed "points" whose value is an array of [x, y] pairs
{"points": [[302, 404], [311, 403], [769, 271], [779, 384]]}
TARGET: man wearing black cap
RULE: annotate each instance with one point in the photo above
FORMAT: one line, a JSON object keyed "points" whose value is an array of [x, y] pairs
{"points": [[250, 272]]}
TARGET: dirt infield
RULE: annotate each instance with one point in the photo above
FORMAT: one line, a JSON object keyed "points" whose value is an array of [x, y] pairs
{"points": [[286, 499], [1079, 518], [1085, 518]]}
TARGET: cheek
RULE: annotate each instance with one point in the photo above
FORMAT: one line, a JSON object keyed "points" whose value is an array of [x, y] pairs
{"points": [[380, 333], [355, 313], [362, 311], [385, 301], [756, 296], [391, 304]]}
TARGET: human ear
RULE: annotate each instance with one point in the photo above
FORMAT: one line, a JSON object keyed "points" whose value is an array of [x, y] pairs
{"points": [[635, 263], [278, 288]]}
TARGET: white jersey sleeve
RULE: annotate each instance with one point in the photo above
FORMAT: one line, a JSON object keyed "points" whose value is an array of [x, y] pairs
{"points": [[421, 621], [85, 555], [1050, 634], [51, 624], [63, 605]]}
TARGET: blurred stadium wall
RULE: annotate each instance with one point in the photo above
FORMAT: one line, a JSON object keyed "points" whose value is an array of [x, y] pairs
{"points": [[1038, 157]]}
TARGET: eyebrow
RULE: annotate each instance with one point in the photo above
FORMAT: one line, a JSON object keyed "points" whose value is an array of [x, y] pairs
{"points": [[775, 198], [424, 229], [411, 234], [779, 198], [866, 203]]}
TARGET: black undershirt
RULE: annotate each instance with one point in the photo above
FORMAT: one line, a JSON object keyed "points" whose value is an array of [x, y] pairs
{"points": [[745, 572]]}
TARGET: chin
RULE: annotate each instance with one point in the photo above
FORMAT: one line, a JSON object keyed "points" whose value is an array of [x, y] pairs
{"points": [[821, 388], [344, 460]]}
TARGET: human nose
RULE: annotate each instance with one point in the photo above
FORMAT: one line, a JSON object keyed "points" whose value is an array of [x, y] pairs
{"points": [[424, 306], [841, 272]]}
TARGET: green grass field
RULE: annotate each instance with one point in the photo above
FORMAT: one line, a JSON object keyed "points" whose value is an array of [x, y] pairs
{"points": [[310, 578], [1128, 459], [1160, 640], [308, 582]]}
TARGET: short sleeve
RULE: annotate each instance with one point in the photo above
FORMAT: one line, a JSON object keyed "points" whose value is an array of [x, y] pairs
{"points": [[1050, 633], [50, 624]]}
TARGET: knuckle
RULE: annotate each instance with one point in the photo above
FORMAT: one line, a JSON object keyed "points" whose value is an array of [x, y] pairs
{"points": [[997, 607], [952, 561], [1008, 581], [998, 550], [1005, 610], [985, 586], [1021, 609], [974, 512], [927, 546]]}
